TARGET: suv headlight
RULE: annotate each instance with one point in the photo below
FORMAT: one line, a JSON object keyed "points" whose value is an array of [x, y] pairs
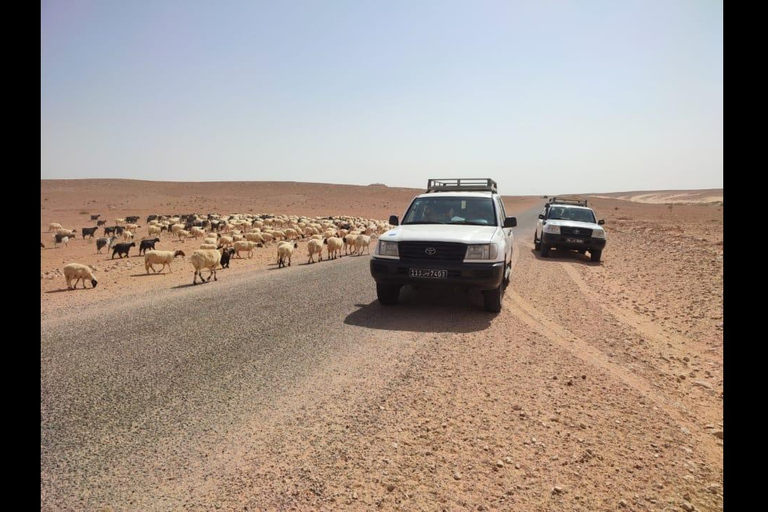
{"points": [[598, 233], [552, 229], [387, 249], [482, 252]]}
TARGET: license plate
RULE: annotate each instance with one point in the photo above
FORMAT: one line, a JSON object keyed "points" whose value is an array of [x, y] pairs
{"points": [[574, 241], [428, 272]]}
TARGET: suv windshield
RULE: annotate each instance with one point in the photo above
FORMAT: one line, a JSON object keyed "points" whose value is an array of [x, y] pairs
{"points": [[477, 211], [557, 212]]}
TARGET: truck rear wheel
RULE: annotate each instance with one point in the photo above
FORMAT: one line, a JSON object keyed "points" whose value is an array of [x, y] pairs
{"points": [[387, 293]]}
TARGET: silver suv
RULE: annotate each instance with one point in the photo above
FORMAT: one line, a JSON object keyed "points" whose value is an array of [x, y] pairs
{"points": [[568, 224]]}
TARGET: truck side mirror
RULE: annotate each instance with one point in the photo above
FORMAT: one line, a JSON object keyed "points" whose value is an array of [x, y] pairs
{"points": [[541, 216], [393, 220], [510, 222], [601, 222]]}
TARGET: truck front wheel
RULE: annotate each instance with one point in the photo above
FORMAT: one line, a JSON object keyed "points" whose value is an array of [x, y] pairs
{"points": [[492, 298], [387, 293]]}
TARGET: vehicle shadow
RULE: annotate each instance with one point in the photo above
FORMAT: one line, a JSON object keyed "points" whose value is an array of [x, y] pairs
{"points": [[561, 256], [426, 310]]}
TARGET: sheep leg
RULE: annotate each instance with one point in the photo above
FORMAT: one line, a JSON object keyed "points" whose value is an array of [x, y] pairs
{"points": [[169, 268], [69, 281], [194, 278], [209, 275], [214, 274]]}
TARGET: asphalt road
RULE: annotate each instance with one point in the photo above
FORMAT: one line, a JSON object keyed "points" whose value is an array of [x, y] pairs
{"points": [[135, 395]]}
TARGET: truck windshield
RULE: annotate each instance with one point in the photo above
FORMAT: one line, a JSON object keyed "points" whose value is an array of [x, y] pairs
{"points": [[566, 213], [478, 211]]}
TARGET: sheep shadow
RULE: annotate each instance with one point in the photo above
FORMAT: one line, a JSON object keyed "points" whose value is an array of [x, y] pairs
{"points": [[147, 275], [68, 290], [426, 310]]}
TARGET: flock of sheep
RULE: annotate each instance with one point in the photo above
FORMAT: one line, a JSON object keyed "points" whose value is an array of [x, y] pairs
{"points": [[222, 237]]}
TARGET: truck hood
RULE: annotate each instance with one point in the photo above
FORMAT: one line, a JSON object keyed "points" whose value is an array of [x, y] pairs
{"points": [[465, 234], [575, 224]]}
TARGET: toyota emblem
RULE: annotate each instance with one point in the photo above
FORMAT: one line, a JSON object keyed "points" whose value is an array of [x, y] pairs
{"points": [[575, 231], [430, 251]]}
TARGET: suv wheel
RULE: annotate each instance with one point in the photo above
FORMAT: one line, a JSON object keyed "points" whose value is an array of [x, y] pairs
{"points": [[536, 243], [387, 293], [595, 255], [544, 250], [492, 298]]}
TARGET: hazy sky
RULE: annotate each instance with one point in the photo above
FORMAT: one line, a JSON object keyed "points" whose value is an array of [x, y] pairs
{"points": [[542, 96]]}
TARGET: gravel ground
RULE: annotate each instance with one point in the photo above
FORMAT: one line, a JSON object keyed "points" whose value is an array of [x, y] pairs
{"points": [[296, 390]]}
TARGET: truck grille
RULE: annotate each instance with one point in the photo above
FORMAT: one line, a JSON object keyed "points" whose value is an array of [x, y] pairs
{"points": [[582, 232], [442, 251]]}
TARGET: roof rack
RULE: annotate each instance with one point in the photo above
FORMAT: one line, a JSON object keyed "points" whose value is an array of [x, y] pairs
{"points": [[462, 185], [563, 200]]}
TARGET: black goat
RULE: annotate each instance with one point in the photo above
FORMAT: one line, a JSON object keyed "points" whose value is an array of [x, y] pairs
{"points": [[226, 255], [95, 217], [90, 231], [147, 244], [121, 249]]}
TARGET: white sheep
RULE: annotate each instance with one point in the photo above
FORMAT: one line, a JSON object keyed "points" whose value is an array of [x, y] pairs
{"points": [[197, 231], [362, 242], [211, 240], [127, 235], [245, 246], [254, 237], [132, 227], [182, 234], [118, 222], [335, 245], [205, 258], [315, 247], [208, 246], [225, 241], [72, 233], [349, 243], [154, 230], [79, 272], [152, 258], [54, 225], [284, 252]]}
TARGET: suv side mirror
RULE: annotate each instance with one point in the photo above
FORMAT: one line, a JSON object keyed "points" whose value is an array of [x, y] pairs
{"points": [[393, 220], [601, 222], [541, 215], [510, 222]]}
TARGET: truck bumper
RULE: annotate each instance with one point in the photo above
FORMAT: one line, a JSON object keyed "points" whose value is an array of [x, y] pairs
{"points": [[559, 242], [477, 276]]}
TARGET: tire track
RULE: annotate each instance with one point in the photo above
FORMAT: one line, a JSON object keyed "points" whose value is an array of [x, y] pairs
{"points": [[591, 355]]}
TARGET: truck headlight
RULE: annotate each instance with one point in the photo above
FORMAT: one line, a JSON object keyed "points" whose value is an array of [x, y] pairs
{"points": [[552, 229], [482, 252], [598, 233], [387, 249]]}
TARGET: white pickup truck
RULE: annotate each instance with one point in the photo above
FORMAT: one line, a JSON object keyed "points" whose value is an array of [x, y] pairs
{"points": [[455, 234]]}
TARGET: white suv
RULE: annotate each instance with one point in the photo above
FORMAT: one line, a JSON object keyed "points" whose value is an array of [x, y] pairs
{"points": [[455, 234], [569, 224]]}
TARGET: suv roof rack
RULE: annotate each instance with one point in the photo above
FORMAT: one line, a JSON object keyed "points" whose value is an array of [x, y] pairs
{"points": [[462, 185], [563, 200]]}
